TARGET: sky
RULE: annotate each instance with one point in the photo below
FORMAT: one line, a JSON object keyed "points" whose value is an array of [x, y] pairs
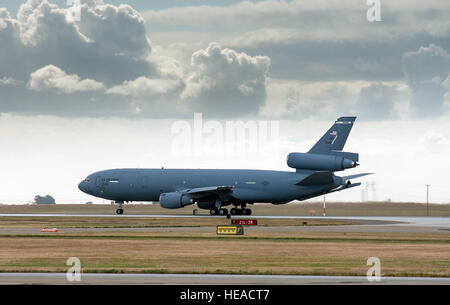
{"points": [[163, 83]]}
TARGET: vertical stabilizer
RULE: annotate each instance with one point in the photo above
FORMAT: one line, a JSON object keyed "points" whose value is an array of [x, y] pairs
{"points": [[334, 139]]}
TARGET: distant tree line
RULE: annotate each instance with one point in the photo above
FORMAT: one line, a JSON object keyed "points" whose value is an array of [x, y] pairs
{"points": [[47, 199]]}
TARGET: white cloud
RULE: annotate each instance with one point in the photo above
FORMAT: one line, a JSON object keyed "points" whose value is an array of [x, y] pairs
{"points": [[225, 82], [143, 86], [51, 78], [9, 81]]}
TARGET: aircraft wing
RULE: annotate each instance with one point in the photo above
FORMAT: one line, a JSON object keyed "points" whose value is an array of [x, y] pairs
{"points": [[210, 190], [317, 178]]}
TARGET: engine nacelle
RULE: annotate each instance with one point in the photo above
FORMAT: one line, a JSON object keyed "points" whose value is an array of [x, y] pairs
{"points": [[319, 162], [174, 200]]}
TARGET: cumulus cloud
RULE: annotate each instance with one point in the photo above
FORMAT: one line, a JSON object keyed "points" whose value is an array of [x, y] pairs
{"points": [[106, 60], [225, 82], [53, 78], [109, 45], [143, 86], [426, 71]]}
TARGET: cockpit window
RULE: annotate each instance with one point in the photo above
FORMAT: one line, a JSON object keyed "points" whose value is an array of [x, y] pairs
{"points": [[87, 179]]}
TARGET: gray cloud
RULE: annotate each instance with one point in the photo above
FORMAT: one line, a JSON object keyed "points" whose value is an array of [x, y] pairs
{"points": [[105, 65], [376, 102], [319, 40], [426, 71]]}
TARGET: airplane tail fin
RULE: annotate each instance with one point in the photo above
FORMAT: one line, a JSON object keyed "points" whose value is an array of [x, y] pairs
{"points": [[333, 141]]}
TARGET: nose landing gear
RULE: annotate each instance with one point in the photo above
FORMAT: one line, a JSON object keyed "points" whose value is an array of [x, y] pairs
{"points": [[119, 211]]}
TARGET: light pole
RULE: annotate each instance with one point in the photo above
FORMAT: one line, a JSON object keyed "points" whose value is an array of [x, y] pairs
{"points": [[428, 186]]}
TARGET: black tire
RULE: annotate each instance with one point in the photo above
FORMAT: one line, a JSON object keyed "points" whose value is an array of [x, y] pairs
{"points": [[223, 212], [119, 211], [233, 211], [246, 212], [213, 212]]}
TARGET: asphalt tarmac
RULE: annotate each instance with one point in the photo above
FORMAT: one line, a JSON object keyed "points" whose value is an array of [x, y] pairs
{"points": [[208, 279], [365, 224], [377, 224]]}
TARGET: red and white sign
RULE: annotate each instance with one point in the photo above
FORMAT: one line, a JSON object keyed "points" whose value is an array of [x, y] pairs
{"points": [[245, 222]]}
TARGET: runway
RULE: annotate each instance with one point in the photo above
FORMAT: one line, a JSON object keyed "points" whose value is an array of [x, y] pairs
{"points": [[208, 279], [378, 224]]}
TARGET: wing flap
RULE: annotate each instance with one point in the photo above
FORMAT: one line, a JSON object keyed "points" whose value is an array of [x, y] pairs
{"points": [[210, 190]]}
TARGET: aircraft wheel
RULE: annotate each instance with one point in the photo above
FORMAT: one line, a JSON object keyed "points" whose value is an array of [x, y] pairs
{"points": [[213, 212], [246, 212], [223, 212], [233, 211], [119, 211]]}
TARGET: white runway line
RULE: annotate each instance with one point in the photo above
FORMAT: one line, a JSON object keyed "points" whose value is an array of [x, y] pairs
{"points": [[208, 279]]}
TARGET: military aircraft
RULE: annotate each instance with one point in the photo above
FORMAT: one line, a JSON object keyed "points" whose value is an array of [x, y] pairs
{"points": [[214, 189]]}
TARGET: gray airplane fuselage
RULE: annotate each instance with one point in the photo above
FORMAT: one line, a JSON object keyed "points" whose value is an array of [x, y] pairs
{"points": [[248, 185], [214, 188]]}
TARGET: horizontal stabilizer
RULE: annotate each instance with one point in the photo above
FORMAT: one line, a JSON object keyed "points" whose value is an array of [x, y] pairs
{"points": [[345, 178], [317, 178]]}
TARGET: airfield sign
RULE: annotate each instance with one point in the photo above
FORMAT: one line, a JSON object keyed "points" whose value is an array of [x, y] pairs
{"points": [[230, 230]]}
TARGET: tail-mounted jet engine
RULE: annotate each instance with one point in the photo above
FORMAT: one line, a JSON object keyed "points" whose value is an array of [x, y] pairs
{"points": [[319, 162]]}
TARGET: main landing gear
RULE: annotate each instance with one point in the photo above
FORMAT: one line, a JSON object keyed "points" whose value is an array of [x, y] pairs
{"points": [[233, 211], [221, 212]]}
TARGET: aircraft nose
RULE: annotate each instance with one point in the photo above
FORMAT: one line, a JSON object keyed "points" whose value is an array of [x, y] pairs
{"points": [[82, 186]]}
